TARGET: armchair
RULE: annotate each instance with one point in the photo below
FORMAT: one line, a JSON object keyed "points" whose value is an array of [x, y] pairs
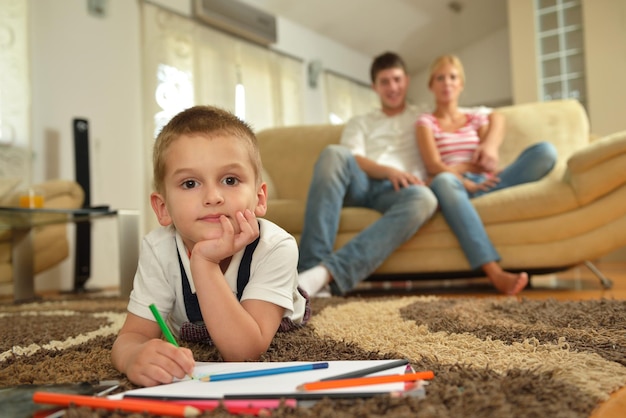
{"points": [[50, 242]]}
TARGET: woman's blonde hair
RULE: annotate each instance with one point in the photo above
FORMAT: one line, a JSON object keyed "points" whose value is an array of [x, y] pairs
{"points": [[443, 60]]}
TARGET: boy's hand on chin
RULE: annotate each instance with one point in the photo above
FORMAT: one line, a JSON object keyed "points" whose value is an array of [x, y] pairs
{"points": [[224, 245]]}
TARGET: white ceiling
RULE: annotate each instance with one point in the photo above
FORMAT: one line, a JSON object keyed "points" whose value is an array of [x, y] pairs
{"points": [[419, 30]]}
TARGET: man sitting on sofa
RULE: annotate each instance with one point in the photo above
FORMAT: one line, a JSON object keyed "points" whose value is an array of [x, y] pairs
{"points": [[377, 166]]}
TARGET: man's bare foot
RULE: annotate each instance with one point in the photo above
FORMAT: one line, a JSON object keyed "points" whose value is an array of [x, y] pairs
{"points": [[505, 282]]}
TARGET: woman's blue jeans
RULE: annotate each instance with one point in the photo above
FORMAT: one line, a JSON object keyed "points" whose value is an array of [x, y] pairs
{"points": [[532, 164], [338, 181]]}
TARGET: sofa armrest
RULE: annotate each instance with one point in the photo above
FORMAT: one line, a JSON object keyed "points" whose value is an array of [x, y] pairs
{"points": [[62, 194], [598, 168], [57, 194]]}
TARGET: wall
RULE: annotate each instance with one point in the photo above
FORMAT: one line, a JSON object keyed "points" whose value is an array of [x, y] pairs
{"points": [[605, 61], [523, 50], [85, 66], [308, 45], [487, 71]]}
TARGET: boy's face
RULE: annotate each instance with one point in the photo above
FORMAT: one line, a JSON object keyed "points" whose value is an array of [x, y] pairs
{"points": [[391, 85], [204, 179]]}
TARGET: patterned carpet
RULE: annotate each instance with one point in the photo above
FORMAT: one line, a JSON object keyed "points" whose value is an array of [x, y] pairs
{"points": [[496, 357]]}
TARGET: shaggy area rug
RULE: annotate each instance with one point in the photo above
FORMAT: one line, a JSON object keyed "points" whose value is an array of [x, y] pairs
{"points": [[495, 357]]}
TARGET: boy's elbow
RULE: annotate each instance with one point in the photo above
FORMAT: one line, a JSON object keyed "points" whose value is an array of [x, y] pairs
{"points": [[244, 352]]}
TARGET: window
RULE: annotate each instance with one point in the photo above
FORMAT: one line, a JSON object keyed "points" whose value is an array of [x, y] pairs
{"points": [[561, 50]]}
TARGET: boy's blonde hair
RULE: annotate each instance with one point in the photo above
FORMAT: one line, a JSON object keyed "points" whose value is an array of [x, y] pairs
{"points": [[441, 61], [206, 120]]}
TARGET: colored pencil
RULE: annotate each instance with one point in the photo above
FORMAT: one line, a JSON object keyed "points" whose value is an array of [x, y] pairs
{"points": [[263, 372], [240, 407], [362, 381], [208, 404], [126, 405], [369, 370], [164, 329]]}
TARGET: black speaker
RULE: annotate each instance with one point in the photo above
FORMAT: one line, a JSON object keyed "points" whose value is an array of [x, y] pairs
{"points": [[82, 266]]}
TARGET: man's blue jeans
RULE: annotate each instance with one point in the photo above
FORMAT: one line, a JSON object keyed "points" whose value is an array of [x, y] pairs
{"points": [[454, 200], [338, 181]]}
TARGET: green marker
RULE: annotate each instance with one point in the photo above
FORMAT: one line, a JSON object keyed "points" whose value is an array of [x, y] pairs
{"points": [[166, 331]]}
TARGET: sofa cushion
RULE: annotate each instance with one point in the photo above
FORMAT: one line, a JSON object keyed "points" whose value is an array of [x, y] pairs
{"points": [[564, 123], [547, 197], [286, 213], [291, 175]]}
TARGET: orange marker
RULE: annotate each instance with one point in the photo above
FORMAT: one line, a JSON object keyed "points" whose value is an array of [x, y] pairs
{"points": [[127, 405], [370, 380]]}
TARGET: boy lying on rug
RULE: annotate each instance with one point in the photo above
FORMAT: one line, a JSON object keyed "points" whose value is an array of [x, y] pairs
{"points": [[198, 268]]}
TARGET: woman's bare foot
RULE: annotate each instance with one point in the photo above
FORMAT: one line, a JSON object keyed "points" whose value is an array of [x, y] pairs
{"points": [[505, 282]]}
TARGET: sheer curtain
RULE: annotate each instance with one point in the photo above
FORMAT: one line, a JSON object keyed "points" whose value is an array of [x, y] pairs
{"points": [[14, 73], [187, 63], [14, 90], [271, 81], [346, 98]]}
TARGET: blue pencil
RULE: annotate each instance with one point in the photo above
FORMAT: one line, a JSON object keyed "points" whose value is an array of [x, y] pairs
{"points": [[263, 372]]}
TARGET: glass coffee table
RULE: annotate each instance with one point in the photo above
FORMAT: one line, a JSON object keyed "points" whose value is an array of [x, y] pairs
{"points": [[22, 221]]}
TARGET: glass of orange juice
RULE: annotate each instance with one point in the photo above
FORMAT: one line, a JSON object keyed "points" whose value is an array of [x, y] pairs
{"points": [[31, 198]]}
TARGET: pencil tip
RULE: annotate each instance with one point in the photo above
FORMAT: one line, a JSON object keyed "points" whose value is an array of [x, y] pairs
{"points": [[191, 411]]}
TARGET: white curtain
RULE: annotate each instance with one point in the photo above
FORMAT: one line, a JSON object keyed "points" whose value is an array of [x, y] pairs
{"points": [[187, 63], [346, 98], [14, 73], [14, 89]]}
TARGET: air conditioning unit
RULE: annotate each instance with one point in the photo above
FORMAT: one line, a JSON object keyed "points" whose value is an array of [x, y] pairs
{"points": [[237, 18]]}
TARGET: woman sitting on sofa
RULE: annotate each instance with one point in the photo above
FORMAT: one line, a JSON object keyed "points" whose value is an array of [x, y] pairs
{"points": [[460, 152]]}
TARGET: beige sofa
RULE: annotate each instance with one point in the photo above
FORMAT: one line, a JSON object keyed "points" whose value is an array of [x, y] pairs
{"points": [[50, 242], [575, 214]]}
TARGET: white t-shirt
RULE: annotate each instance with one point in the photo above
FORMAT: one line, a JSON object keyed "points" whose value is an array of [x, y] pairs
{"points": [[273, 275], [388, 140]]}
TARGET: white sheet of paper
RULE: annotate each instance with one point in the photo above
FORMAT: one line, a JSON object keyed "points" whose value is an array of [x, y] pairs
{"points": [[269, 386]]}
